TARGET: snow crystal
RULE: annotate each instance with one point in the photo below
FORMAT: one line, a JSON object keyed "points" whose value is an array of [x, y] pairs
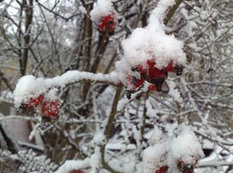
{"points": [[101, 8], [26, 88]]}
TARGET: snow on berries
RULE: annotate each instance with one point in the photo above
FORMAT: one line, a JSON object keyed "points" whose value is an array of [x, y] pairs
{"points": [[160, 48], [178, 153], [28, 92], [104, 16], [152, 54], [32, 93], [33, 103], [51, 105], [185, 149]]}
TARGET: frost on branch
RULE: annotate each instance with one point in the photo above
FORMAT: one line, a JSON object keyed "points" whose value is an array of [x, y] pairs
{"points": [[30, 92], [177, 153]]}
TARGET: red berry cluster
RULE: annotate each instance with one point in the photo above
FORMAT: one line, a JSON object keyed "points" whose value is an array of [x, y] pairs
{"points": [[34, 102], [186, 167], [107, 24], [49, 108], [181, 165], [153, 75]]}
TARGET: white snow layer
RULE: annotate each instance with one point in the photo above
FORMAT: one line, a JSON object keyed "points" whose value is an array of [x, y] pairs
{"points": [[185, 146], [101, 8], [158, 14], [182, 145], [26, 88], [151, 43], [31, 87], [144, 44], [174, 92], [71, 165]]}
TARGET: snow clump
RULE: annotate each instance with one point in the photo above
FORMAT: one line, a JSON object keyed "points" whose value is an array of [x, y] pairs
{"points": [[27, 87], [101, 8]]}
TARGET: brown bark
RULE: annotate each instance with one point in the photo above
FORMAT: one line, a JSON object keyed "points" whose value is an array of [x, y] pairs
{"points": [[26, 37]]}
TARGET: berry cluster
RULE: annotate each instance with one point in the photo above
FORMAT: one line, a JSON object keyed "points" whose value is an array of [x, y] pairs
{"points": [[49, 107], [153, 75], [186, 167], [182, 166], [107, 24]]}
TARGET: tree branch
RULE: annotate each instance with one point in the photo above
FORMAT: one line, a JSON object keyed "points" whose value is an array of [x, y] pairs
{"points": [[172, 11]]}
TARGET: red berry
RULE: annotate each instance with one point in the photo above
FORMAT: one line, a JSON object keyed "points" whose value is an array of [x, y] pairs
{"points": [[138, 83], [135, 82], [107, 24], [34, 102], [170, 67], [50, 108], [154, 72], [153, 88], [140, 68], [77, 171], [162, 169], [150, 63], [185, 168]]}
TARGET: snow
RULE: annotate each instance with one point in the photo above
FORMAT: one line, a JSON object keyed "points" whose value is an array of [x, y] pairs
{"points": [[75, 76], [155, 136], [167, 150], [95, 160], [150, 43], [120, 146], [154, 157], [145, 45], [52, 95], [26, 88], [99, 138], [82, 9], [173, 92], [31, 87], [185, 146], [158, 14], [71, 165], [101, 8]]}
